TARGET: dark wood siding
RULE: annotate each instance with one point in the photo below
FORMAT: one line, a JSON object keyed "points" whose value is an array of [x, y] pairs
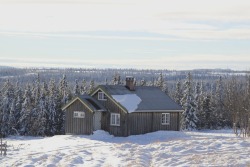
{"points": [[78, 125], [113, 108], [174, 122], [144, 122], [140, 123]]}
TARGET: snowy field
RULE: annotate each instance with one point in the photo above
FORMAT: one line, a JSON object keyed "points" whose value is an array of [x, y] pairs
{"points": [[163, 148]]}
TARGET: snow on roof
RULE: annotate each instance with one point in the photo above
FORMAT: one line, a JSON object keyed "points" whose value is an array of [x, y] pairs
{"points": [[152, 98], [129, 101]]}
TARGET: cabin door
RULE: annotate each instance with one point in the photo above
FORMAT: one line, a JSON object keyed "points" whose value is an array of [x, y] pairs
{"points": [[97, 120]]}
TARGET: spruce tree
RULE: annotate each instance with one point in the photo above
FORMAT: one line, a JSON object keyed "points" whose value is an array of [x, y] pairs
{"points": [[76, 89], [42, 116], [178, 93], [8, 98], [36, 93], [160, 82], [189, 118], [25, 115], [198, 95], [207, 111], [18, 106], [91, 86], [64, 90], [51, 120], [218, 103], [143, 82], [83, 88]]}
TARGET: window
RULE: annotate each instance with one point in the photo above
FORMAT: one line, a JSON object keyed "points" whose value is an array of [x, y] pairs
{"points": [[115, 119], [165, 118], [79, 114], [101, 96]]}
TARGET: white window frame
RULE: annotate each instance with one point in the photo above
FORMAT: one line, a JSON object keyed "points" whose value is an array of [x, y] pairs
{"points": [[102, 96], [115, 119], [165, 118], [79, 114]]}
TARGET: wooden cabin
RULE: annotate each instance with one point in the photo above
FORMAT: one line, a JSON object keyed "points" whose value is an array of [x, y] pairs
{"points": [[83, 115], [124, 110]]}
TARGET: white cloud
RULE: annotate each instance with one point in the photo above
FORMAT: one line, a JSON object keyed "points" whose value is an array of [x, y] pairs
{"points": [[179, 18]]}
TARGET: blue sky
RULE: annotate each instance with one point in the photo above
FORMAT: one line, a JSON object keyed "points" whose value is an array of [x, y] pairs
{"points": [[159, 34]]}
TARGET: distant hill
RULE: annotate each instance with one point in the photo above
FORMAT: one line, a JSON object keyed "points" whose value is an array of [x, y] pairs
{"points": [[6, 67]]}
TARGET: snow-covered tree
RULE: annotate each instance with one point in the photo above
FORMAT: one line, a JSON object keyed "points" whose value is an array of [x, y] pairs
{"points": [[160, 82], [25, 118], [207, 114], [83, 88], [116, 79], [36, 93], [199, 96], [64, 92], [218, 104], [12, 120], [76, 89], [51, 129], [189, 118], [143, 82], [91, 86], [8, 98], [19, 101], [178, 92]]}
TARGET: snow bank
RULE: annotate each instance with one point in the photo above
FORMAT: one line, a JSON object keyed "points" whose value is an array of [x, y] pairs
{"points": [[129, 101], [162, 148]]}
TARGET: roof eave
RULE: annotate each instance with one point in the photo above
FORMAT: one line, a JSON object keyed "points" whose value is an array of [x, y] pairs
{"points": [[109, 96], [158, 111], [73, 100]]}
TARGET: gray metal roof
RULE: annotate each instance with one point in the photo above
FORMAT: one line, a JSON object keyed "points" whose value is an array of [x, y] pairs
{"points": [[92, 103], [153, 98]]}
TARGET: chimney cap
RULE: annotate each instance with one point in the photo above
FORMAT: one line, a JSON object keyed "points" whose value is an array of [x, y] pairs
{"points": [[129, 77], [130, 83]]}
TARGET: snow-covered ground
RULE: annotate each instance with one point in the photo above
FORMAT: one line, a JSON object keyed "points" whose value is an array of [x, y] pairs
{"points": [[163, 148]]}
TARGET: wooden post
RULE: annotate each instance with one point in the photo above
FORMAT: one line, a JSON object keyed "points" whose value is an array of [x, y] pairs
{"points": [[5, 149], [1, 143], [3, 146]]}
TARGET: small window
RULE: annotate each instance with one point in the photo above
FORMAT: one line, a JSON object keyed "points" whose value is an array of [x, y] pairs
{"points": [[79, 114], [165, 118], [101, 96], [115, 119]]}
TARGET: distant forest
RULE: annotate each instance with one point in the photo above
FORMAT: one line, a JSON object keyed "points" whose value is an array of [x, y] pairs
{"points": [[31, 99]]}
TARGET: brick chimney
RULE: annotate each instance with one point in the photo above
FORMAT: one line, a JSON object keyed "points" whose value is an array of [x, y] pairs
{"points": [[130, 83]]}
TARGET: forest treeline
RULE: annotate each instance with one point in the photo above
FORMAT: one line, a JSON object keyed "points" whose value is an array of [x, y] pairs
{"points": [[34, 108]]}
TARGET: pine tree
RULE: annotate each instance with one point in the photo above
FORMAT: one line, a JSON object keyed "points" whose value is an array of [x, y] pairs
{"points": [[106, 82], [189, 118], [51, 120], [247, 107], [160, 82], [18, 106], [218, 103], [198, 101], [91, 86], [116, 79], [178, 93], [143, 82], [64, 90], [36, 93], [8, 98], [165, 88], [207, 112], [76, 89], [12, 124], [25, 118], [83, 88], [41, 122]]}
